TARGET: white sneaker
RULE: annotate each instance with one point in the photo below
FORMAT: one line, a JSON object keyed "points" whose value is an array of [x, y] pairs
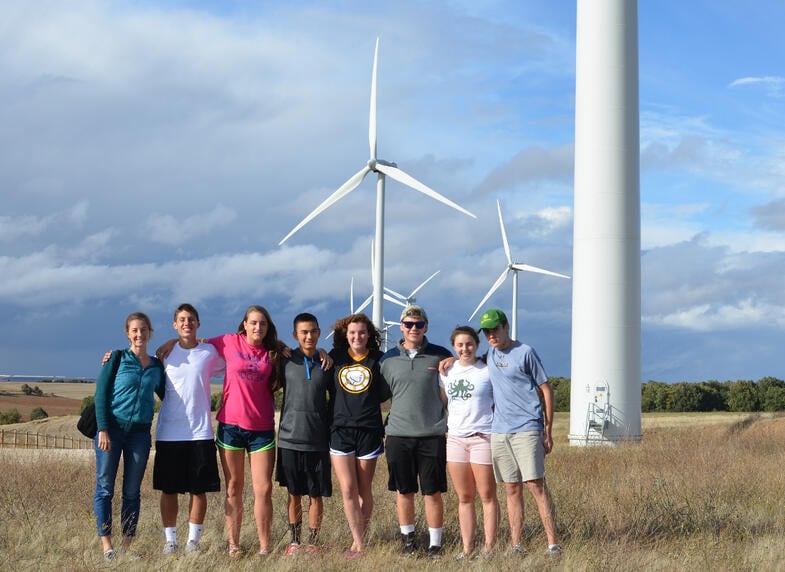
{"points": [[192, 547], [170, 548], [554, 550]]}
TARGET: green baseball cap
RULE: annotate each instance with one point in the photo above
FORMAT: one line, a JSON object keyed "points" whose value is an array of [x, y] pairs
{"points": [[492, 318]]}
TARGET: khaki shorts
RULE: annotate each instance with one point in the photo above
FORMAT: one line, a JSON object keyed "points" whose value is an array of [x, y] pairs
{"points": [[518, 457]]}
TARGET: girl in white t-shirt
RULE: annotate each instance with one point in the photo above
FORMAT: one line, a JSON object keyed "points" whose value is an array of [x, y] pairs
{"points": [[470, 413]]}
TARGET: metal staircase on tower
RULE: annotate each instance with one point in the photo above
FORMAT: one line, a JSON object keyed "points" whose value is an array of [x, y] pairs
{"points": [[598, 415]]}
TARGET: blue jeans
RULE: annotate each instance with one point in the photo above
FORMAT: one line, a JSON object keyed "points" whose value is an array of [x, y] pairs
{"points": [[135, 449]]}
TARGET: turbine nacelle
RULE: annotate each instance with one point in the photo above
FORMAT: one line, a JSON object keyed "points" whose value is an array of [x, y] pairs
{"points": [[372, 163]]}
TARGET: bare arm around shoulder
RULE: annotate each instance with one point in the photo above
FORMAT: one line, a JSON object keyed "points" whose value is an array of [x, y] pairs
{"points": [[165, 349]]}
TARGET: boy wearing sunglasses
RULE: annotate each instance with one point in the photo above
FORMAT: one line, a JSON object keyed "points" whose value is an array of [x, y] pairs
{"points": [[416, 427]]}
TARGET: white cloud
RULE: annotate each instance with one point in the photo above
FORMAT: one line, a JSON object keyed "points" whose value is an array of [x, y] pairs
{"points": [[176, 230], [774, 85], [20, 227], [288, 272], [531, 164], [13, 228], [710, 318]]}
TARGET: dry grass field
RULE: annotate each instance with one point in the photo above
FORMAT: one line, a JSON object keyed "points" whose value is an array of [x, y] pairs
{"points": [[700, 492]]}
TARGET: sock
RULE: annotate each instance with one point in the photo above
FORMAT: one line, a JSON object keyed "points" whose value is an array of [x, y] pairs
{"points": [[407, 528], [313, 535], [294, 528], [170, 533], [436, 536], [194, 532]]}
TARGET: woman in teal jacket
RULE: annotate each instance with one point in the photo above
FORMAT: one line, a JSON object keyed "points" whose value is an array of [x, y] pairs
{"points": [[124, 407]]}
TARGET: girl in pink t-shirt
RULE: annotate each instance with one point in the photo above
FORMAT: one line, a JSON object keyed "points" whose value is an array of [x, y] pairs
{"points": [[246, 421]]}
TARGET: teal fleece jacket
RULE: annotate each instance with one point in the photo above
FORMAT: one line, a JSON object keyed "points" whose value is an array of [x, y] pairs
{"points": [[126, 402]]}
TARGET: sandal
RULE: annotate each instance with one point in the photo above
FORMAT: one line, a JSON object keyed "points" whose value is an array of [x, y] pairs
{"points": [[235, 552]]}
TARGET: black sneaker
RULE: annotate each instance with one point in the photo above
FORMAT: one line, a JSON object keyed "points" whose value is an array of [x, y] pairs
{"points": [[434, 552], [409, 544]]}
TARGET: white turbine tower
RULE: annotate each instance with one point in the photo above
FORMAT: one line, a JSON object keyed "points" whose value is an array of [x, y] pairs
{"points": [[605, 392], [382, 169], [405, 301], [514, 268]]}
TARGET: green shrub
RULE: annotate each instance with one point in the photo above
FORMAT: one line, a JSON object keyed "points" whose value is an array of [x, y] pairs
{"points": [[9, 417], [743, 396], [86, 402], [561, 393], [38, 413], [215, 401]]}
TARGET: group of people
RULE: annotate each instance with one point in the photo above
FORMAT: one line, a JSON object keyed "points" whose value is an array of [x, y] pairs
{"points": [[482, 420]]}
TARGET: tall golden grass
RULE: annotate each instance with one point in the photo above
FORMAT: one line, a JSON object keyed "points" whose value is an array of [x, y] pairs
{"points": [[693, 495]]}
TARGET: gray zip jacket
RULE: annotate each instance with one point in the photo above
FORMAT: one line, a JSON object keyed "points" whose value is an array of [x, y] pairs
{"points": [[416, 408]]}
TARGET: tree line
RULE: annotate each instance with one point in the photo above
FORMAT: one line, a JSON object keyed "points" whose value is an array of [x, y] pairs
{"points": [[766, 394]]}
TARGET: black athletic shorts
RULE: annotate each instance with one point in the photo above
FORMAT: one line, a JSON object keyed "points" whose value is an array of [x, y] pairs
{"points": [[186, 467], [364, 444], [304, 472], [411, 457]]}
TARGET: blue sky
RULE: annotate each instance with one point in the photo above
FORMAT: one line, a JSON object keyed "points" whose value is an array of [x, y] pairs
{"points": [[156, 152]]}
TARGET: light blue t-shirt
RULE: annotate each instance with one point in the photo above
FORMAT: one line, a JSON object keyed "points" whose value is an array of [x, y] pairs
{"points": [[516, 372]]}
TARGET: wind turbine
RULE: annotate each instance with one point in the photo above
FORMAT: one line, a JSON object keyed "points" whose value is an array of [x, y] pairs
{"points": [[405, 301], [382, 169], [514, 268]]}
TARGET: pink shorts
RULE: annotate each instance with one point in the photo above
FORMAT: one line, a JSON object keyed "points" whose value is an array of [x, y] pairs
{"points": [[475, 449]]}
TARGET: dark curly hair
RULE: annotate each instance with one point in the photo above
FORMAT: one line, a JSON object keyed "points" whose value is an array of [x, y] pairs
{"points": [[341, 326]]}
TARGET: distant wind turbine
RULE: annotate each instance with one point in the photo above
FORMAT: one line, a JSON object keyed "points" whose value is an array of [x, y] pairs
{"points": [[404, 301], [382, 169], [352, 309], [514, 268]]}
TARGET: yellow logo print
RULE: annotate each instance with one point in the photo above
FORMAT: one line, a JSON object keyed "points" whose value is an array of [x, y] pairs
{"points": [[354, 378]]}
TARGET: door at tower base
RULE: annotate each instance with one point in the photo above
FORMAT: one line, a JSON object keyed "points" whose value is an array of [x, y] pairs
{"points": [[605, 423]]}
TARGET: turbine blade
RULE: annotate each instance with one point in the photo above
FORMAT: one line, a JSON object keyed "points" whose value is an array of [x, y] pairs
{"points": [[504, 233], [423, 284], [394, 293], [372, 117], [353, 182], [394, 300], [493, 289], [529, 268], [364, 304], [330, 335], [410, 181], [351, 296]]}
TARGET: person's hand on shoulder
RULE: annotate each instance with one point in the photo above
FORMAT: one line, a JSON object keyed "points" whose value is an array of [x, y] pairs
{"points": [[446, 364], [327, 361], [165, 349]]}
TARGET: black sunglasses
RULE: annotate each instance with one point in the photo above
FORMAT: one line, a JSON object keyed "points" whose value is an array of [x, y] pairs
{"points": [[409, 325]]}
